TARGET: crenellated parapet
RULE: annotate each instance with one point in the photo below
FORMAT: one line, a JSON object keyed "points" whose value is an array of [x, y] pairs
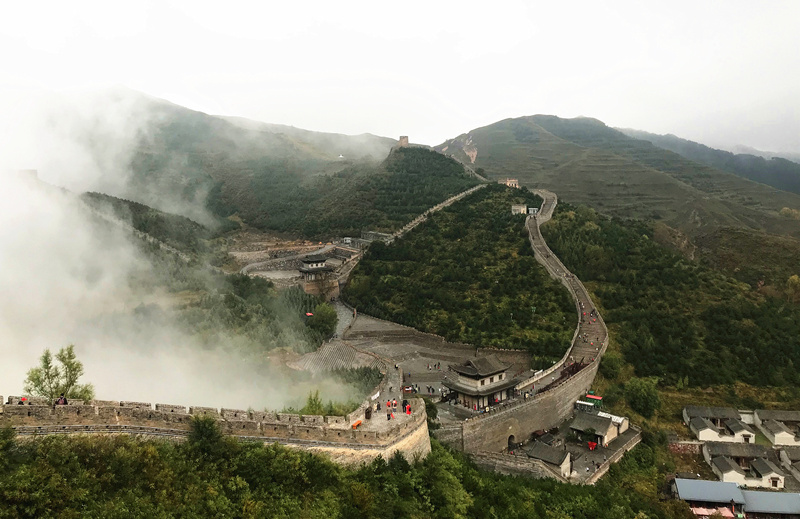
{"points": [[334, 435]]}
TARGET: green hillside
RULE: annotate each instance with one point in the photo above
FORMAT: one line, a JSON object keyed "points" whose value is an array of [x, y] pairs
{"points": [[274, 177], [213, 476], [469, 274], [191, 163], [585, 161], [176, 231], [776, 172], [671, 318], [382, 197]]}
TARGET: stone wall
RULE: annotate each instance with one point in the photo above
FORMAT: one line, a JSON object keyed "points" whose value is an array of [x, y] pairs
{"points": [[305, 431], [516, 465], [685, 447], [490, 431], [602, 469]]}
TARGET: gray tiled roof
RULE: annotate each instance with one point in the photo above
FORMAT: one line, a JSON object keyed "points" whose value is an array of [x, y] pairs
{"points": [[738, 450], [489, 389], [544, 452], [586, 421], [725, 464], [792, 452], [736, 426], [698, 423], [776, 427], [711, 412], [481, 367], [781, 416], [765, 467], [709, 491]]}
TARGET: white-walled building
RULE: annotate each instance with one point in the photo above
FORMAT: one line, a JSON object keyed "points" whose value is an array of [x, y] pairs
{"points": [[778, 433]]}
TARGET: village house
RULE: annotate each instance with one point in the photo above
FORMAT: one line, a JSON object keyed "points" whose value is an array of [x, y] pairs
{"points": [[746, 464], [741, 453], [733, 430], [780, 427], [708, 497], [599, 427], [778, 433], [716, 415], [559, 459], [480, 382], [790, 460], [762, 473], [728, 500]]}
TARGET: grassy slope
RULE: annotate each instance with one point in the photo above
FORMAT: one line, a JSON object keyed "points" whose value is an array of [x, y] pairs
{"points": [[587, 162], [776, 172], [469, 274]]}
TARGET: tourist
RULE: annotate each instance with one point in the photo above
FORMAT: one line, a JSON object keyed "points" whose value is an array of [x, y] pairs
{"points": [[62, 400]]}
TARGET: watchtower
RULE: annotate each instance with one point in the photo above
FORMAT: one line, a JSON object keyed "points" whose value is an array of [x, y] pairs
{"points": [[403, 142], [318, 278]]}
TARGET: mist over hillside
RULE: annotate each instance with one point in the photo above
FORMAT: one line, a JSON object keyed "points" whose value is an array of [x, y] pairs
{"points": [[134, 146], [71, 277]]}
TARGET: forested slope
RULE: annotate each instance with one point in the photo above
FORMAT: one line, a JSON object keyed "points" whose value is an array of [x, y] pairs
{"points": [[585, 161], [381, 197], [469, 274], [212, 476], [674, 319]]}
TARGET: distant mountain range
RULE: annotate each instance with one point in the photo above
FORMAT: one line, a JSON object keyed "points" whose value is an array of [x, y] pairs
{"points": [[747, 150], [759, 166], [587, 162], [229, 169]]}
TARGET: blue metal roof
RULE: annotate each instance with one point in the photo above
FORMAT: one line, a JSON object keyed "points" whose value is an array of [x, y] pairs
{"points": [[771, 502], [709, 491]]}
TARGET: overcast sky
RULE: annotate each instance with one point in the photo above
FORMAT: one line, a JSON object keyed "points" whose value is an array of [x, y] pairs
{"points": [[722, 73]]}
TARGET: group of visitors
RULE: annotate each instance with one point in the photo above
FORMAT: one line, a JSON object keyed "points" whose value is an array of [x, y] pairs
{"points": [[61, 400], [391, 408]]}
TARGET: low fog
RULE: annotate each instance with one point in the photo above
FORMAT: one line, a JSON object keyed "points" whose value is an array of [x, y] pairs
{"points": [[86, 140], [65, 278]]}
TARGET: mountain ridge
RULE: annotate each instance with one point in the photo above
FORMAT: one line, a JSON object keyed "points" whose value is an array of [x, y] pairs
{"points": [[589, 162], [777, 172]]}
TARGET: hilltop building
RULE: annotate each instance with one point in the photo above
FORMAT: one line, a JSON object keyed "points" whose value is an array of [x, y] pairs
{"points": [[403, 143], [480, 382], [519, 209], [318, 278], [510, 182]]}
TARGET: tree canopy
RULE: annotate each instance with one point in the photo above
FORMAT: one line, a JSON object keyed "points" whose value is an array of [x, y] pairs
{"points": [[53, 378]]}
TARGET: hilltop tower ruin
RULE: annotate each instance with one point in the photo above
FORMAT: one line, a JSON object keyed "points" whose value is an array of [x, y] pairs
{"points": [[403, 142]]}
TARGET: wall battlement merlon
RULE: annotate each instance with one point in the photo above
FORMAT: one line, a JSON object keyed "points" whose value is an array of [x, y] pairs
{"points": [[166, 419]]}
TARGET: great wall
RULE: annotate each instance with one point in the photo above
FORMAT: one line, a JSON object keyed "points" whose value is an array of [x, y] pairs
{"points": [[392, 348]]}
